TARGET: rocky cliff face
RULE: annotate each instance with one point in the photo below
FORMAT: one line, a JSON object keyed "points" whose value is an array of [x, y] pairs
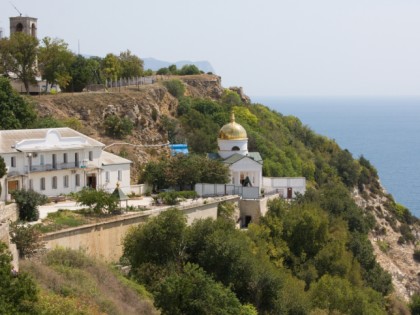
{"points": [[392, 254], [145, 106]]}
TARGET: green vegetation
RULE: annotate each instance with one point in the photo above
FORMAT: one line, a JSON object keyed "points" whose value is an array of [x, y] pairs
{"points": [[175, 87], [416, 254], [72, 283], [18, 55], [28, 202], [54, 60], [415, 304], [18, 292], [28, 239], [174, 197], [118, 127], [62, 219], [98, 201], [185, 70], [16, 112], [58, 65], [3, 171], [298, 259], [183, 171]]}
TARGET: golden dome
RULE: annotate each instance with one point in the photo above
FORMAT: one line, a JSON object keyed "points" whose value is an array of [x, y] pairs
{"points": [[232, 130]]}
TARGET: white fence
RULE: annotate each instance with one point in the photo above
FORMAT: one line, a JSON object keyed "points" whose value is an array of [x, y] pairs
{"points": [[282, 185], [209, 190]]}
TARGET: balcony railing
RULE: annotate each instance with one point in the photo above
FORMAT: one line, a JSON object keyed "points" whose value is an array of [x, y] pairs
{"points": [[51, 167]]}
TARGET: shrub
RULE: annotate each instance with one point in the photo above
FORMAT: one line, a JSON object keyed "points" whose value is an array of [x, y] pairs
{"points": [[18, 294], [175, 87], [117, 127], [415, 304], [28, 239], [189, 70], [28, 202], [163, 71], [97, 200], [172, 197]]}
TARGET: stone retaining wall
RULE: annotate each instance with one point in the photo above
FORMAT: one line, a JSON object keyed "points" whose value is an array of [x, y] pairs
{"points": [[104, 240]]}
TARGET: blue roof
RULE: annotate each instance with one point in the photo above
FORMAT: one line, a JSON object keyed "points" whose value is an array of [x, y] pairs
{"points": [[178, 148]]}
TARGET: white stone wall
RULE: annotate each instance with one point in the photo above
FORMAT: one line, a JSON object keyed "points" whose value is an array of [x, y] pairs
{"points": [[281, 184], [111, 184], [225, 147]]}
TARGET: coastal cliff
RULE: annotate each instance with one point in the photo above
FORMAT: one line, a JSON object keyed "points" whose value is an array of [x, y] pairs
{"points": [[151, 108]]}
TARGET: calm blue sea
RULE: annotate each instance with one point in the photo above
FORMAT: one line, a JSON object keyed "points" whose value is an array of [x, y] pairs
{"points": [[385, 130]]}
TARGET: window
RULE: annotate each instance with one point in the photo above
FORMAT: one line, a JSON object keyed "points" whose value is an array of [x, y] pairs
{"points": [[235, 148], [119, 175], [66, 181], [77, 180], [54, 161], [54, 182], [90, 155], [76, 160], [31, 184], [41, 158], [107, 176], [13, 161], [65, 158], [42, 183]]}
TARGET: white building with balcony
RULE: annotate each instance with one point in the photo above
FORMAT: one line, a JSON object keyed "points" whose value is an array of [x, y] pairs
{"points": [[58, 161]]}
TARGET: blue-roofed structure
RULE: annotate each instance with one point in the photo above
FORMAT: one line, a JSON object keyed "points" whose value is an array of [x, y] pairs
{"points": [[178, 148]]}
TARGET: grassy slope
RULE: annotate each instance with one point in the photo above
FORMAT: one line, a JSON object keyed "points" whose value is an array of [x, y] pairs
{"points": [[71, 283]]}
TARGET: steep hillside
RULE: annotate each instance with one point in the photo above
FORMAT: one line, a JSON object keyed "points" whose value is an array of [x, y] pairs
{"points": [[71, 283], [287, 147]]}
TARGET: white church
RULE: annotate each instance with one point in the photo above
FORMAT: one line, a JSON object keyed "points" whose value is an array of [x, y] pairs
{"points": [[246, 168]]}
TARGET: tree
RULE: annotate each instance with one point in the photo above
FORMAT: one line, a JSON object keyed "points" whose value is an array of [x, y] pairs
{"points": [[16, 112], [154, 174], [111, 67], [19, 55], [131, 65], [3, 170], [159, 242], [188, 70], [54, 61], [175, 87], [118, 127], [28, 202], [28, 239], [18, 292], [98, 201], [194, 292], [84, 71]]}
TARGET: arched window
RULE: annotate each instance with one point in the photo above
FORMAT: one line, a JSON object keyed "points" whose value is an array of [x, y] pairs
{"points": [[19, 27], [33, 30], [235, 148]]}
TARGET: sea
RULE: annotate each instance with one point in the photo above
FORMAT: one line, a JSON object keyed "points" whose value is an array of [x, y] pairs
{"points": [[385, 130]]}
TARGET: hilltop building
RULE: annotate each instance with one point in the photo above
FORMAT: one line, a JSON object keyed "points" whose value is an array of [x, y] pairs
{"points": [[59, 161], [24, 24], [246, 177], [245, 167]]}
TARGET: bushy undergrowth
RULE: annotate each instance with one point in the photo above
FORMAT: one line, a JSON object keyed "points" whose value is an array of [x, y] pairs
{"points": [[72, 283]]}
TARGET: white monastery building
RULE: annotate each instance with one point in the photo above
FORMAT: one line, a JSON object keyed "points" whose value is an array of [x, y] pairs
{"points": [[59, 161], [246, 167]]}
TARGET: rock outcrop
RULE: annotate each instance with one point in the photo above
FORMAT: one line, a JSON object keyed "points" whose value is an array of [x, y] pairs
{"points": [[393, 255]]}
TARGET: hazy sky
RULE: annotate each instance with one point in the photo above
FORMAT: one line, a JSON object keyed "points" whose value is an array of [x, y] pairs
{"points": [[270, 47]]}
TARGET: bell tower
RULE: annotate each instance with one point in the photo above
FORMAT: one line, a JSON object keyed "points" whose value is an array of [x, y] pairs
{"points": [[24, 24]]}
